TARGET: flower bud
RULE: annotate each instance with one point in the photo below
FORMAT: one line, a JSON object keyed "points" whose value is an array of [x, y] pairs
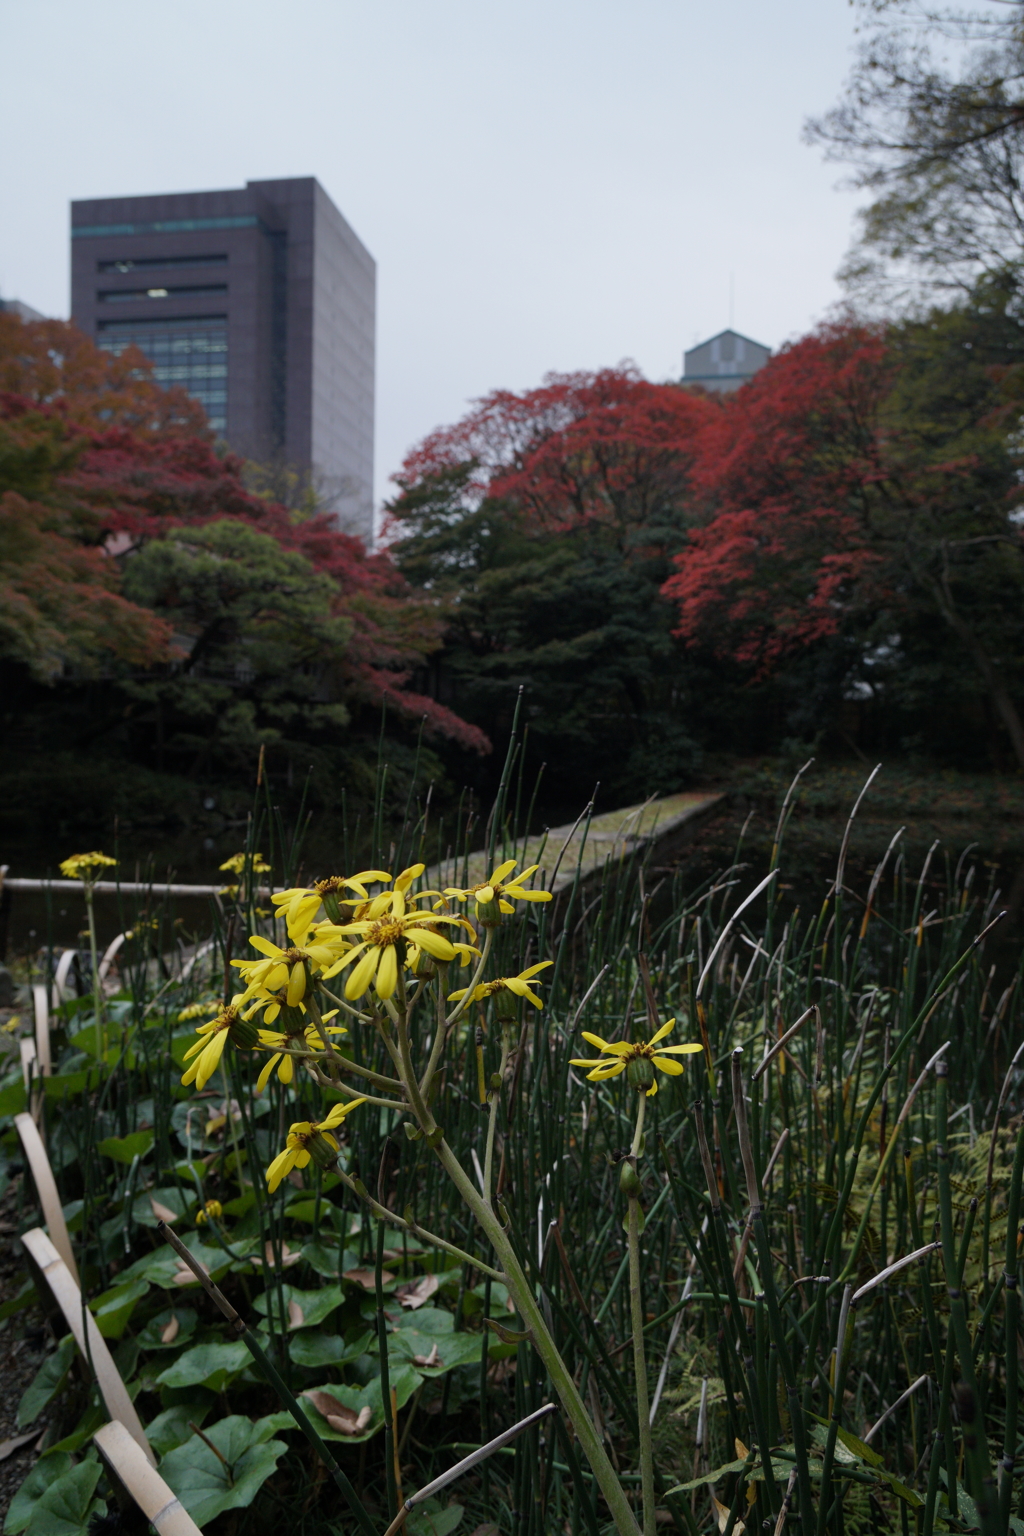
{"points": [[629, 1181], [243, 1033], [640, 1073], [489, 913], [506, 1004], [323, 1149]]}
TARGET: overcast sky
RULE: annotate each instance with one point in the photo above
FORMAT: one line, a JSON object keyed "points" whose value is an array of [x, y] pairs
{"points": [[549, 184]]}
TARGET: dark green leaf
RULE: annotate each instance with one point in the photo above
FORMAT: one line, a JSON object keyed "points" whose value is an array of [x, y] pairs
{"points": [[46, 1383], [171, 1427], [312, 1348], [66, 1507], [434, 1519], [45, 1472], [207, 1365], [205, 1486], [315, 1305]]}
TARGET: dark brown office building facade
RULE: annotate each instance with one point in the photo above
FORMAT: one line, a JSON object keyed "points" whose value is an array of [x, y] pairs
{"points": [[261, 303]]}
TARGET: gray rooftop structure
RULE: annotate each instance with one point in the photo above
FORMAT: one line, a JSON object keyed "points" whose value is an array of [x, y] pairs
{"points": [[261, 302], [724, 362], [23, 311]]}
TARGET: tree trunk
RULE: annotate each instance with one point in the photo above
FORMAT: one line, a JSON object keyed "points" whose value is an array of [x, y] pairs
{"points": [[998, 691]]}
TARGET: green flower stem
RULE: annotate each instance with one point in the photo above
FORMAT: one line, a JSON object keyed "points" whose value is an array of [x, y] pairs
{"points": [[369, 1098], [97, 991], [440, 1033], [465, 1000], [526, 1303], [414, 1229], [492, 1120], [636, 1312], [346, 1007]]}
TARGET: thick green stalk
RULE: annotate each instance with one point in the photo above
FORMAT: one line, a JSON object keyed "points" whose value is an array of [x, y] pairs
{"points": [[526, 1303], [636, 1312]]}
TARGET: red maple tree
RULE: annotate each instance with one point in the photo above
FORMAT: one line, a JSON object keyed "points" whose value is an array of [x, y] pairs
{"points": [[125, 462], [783, 477], [608, 446]]}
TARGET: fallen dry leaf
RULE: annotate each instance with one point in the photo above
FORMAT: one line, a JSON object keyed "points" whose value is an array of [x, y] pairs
{"points": [[432, 1359], [345, 1420], [8, 1447], [171, 1331], [722, 1516], [184, 1276], [270, 1260], [161, 1212], [296, 1316], [364, 1277], [415, 1292]]}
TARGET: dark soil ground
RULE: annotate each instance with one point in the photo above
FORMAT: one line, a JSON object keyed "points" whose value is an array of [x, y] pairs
{"points": [[25, 1341]]}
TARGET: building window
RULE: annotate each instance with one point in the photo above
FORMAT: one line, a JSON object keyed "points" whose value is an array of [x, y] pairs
{"points": [[191, 352], [165, 227], [127, 295], [137, 263]]}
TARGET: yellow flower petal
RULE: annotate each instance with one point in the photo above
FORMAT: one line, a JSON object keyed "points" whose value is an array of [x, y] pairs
{"points": [[280, 1168], [665, 1029], [264, 1077], [501, 871], [265, 947], [666, 1064], [387, 972], [362, 974], [297, 984], [434, 943]]}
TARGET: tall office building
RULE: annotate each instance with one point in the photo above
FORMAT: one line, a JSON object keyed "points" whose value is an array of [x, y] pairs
{"points": [[261, 302], [724, 362]]}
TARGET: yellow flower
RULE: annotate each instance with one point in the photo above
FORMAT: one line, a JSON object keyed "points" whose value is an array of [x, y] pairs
{"points": [[85, 866], [638, 1057], [238, 861], [209, 1049], [386, 941], [498, 890], [518, 985], [211, 1210], [309, 1139], [292, 967], [11, 1025], [282, 1043], [196, 1011]]}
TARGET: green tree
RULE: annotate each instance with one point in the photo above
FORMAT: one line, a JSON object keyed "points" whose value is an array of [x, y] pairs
{"points": [[259, 645], [932, 123]]}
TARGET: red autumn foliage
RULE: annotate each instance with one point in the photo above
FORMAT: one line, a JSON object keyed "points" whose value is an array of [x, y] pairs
{"points": [[783, 473], [607, 446], [126, 461]]}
